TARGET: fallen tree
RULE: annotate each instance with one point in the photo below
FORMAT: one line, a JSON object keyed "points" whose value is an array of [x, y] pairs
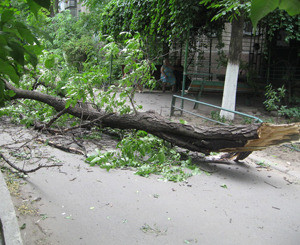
{"points": [[239, 140]]}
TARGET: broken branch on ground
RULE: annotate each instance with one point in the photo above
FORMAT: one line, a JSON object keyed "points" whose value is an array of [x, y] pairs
{"points": [[30, 170]]}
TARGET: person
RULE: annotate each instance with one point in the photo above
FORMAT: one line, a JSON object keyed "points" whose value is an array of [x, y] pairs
{"points": [[178, 72], [167, 75]]}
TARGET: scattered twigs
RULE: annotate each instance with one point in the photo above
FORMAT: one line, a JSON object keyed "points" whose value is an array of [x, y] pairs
{"points": [[25, 142], [39, 126], [80, 145], [89, 123], [61, 147], [27, 171], [113, 133], [58, 115], [276, 187], [28, 141]]}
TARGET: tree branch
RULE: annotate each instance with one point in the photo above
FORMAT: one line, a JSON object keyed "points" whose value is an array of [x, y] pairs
{"points": [[61, 147], [27, 171], [58, 115]]}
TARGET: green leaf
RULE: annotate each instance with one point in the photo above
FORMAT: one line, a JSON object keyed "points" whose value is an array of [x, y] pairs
{"points": [[7, 15], [50, 62], [34, 7], [182, 121], [11, 93], [34, 49], [17, 52], [3, 41], [4, 52], [30, 54], [25, 33], [44, 3], [290, 6], [68, 103], [2, 87], [23, 226], [161, 157], [260, 9], [95, 160], [8, 69]]}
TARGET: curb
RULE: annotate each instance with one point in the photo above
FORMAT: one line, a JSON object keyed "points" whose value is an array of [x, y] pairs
{"points": [[8, 221]]}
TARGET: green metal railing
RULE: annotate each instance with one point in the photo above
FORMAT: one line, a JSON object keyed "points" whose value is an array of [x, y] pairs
{"points": [[174, 107]]}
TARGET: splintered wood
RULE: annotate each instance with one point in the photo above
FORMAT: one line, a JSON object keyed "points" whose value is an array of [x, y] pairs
{"points": [[268, 135]]}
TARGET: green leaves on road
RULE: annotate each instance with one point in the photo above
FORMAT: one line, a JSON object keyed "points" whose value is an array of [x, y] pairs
{"points": [[148, 155]]}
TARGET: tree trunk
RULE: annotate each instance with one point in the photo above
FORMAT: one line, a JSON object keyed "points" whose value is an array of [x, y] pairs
{"points": [[242, 138], [232, 70]]}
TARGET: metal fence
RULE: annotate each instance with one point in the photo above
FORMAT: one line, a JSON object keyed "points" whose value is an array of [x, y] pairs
{"points": [[174, 107]]}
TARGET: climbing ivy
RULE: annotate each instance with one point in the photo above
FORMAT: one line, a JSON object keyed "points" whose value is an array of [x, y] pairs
{"points": [[260, 9], [166, 20], [281, 20]]}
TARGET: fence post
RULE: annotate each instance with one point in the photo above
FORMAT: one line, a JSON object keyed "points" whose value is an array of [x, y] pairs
{"points": [[172, 105], [185, 68]]}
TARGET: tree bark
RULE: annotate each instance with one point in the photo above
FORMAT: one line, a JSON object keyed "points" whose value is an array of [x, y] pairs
{"points": [[242, 138], [232, 70], [54, 8]]}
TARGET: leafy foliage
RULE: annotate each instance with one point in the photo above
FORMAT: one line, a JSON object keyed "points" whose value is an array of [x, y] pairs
{"points": [[19, 46], [164, 20], [57, 77], [292, 112], [273, 97], [137, 70], [72, 39], [28, 112], [148, 155], [278, 20], [274, 102], [228, 9], [215, 115], [260, 9]]}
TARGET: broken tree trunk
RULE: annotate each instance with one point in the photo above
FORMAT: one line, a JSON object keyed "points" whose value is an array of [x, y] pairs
{"points": [[242, 138]]}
